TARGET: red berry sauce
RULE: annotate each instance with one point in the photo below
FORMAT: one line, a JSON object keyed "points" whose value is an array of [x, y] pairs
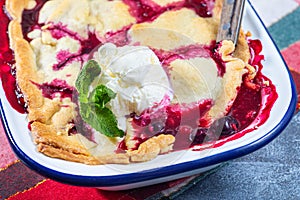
{"points": [[186, 122], [192, 51], [56, 87], [30, 18], [144, 10], [253, 104], [169, 119], [202, 7], [250, 109], [7, 66], [64, 57]]}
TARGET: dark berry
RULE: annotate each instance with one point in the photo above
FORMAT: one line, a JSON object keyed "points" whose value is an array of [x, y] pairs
{"points": [[198, 136], [224, 126], [230, 127]]}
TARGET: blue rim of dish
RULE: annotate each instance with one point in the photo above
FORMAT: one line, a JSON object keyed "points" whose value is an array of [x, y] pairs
{"points": [[131, 178]]}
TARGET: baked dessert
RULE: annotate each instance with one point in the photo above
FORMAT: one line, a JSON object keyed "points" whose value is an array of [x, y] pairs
{"points": [[124, 81]]}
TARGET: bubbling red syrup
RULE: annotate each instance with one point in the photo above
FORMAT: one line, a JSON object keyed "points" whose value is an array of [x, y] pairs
{"points": [[169, 119], [247, 97], [253, 104], [7, 65], [250, 109], [142, 11], [255, 50]]}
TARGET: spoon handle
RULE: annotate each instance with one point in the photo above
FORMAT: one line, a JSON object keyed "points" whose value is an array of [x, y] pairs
{"points": [[231, 17]]}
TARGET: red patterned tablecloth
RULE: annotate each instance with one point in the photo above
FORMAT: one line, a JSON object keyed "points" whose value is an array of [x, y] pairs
{"points": [[19, 182]]}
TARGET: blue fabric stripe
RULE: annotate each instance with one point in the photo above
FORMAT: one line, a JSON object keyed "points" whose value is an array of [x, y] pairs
{"points": [[287, 30]]}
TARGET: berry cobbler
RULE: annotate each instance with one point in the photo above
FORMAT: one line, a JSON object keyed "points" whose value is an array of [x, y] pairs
{"points": [[122, 81]]}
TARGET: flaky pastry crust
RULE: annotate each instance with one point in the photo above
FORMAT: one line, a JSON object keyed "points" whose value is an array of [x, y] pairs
{"points": [[49, 119]]}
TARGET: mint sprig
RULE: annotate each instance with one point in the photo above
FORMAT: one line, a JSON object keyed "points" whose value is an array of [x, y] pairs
{"points": [[92, 106], [85, 78]]}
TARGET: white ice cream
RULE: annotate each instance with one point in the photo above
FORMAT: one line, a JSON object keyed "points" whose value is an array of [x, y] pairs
{"points": [[135, 74]]}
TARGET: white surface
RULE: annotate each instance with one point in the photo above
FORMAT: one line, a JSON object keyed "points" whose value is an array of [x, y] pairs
{"points": [[273, 68], [267, 8]]}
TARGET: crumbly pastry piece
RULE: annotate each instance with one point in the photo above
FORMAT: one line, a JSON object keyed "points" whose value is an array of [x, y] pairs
{"points": [[198, 30], [50, 118]]}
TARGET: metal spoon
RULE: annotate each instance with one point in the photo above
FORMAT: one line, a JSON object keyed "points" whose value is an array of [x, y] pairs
{"points": [[231, 17]]}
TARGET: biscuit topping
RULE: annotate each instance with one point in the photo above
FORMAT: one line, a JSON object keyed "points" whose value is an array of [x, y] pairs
{"points": [[123, 81]]}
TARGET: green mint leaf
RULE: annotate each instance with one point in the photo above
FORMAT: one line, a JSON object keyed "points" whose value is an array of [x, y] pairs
{"points": [[92, 107], [101, 95], [102, 118], [85, 78], [84, 109], [104, 121]]}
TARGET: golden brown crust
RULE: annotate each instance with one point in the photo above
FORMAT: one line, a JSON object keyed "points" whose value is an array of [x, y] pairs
{"points": [[40, 109], [49, 119], [151, 148], [60, 145], [242, 49], [15, 8], [58, 152], [217, 9], [25, 66], [232, 79]]}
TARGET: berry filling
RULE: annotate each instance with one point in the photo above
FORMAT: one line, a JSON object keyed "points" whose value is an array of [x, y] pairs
{"points": [[192, 51], [186, 122], [7, 66], [176, 120], [30, 18], [149, 11], [56, 88]]}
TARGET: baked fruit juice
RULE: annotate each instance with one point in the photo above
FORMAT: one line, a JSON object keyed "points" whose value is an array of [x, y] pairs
{"points": [[124, 81]]}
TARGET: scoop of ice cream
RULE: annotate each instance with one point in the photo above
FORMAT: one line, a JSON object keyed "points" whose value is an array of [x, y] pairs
{"points": [[135, 74]]}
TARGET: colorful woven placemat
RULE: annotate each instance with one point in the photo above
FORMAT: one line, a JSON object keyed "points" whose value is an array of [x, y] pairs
{"points": [[19, 182]]}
